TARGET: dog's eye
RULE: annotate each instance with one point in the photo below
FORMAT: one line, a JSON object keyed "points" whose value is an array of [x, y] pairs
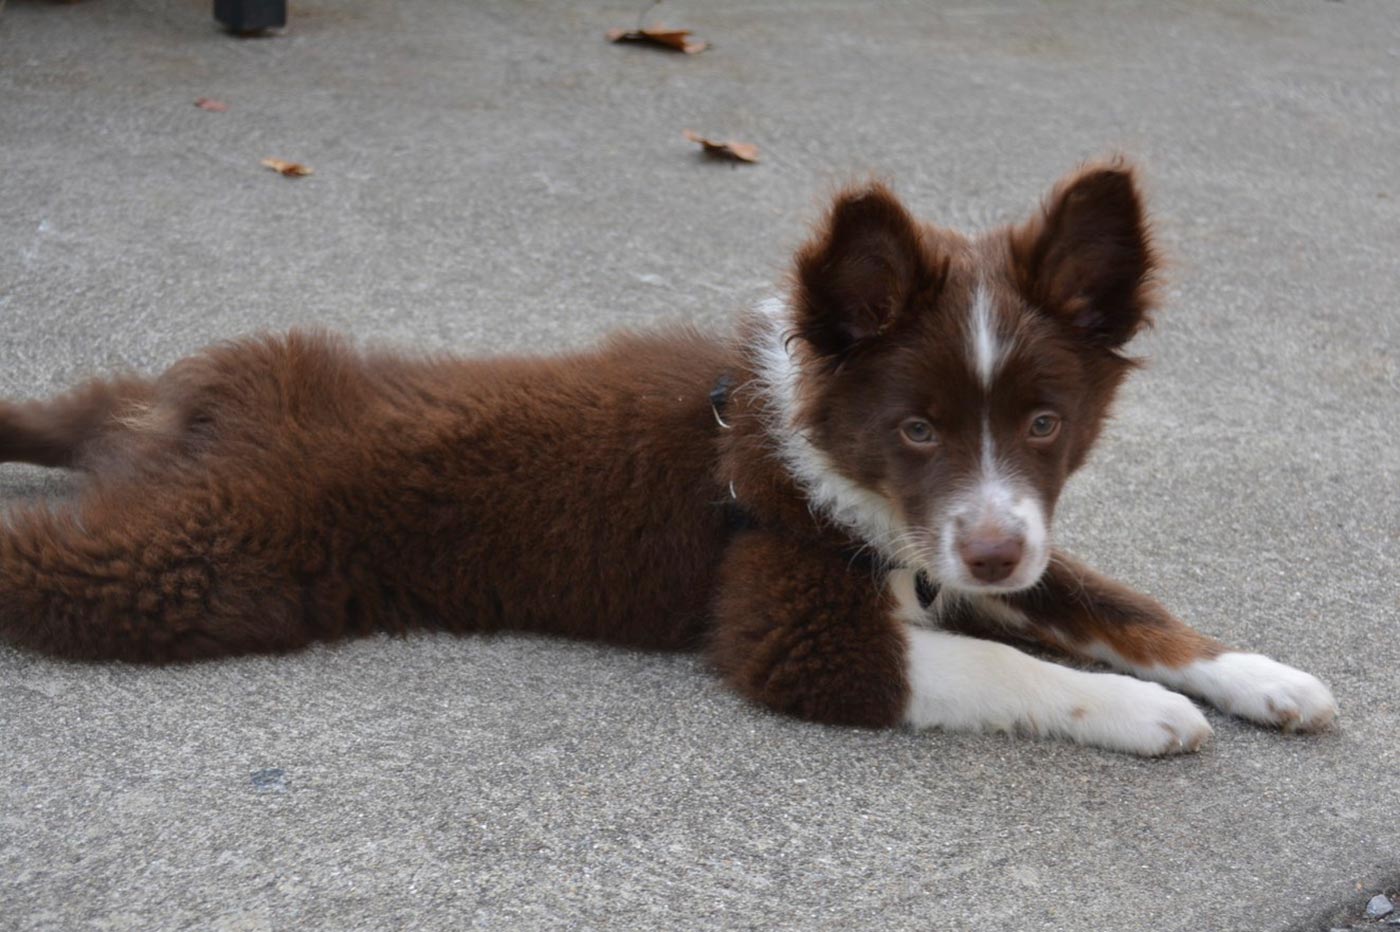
{"points": [[918, 431], [1044, 426]]}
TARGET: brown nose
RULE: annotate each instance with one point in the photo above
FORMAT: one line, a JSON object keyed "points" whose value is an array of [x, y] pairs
{"points": [[991, 559]]}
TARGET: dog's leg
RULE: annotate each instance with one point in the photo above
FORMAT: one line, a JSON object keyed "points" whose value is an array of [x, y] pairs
{"points": [[805, 635], [146, 573], [1079, 611], [70, 430], [240, 532]]}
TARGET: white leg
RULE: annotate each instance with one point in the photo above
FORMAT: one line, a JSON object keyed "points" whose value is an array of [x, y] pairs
{"points": [[1251, 686], [1248, 685], [966, 684]]}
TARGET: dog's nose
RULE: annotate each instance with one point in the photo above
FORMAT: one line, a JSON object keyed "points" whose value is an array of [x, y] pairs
{"points": [[991, 559]]}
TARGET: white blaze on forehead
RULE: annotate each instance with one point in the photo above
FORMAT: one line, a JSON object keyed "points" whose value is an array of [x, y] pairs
{"points": [[984, 346], [998, 499]]}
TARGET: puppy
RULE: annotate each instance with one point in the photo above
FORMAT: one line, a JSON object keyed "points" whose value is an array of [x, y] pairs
{"points": [[828, 503]]}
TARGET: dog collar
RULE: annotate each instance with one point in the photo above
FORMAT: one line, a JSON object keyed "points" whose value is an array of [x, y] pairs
{"points": [[925, 588], [719, 397]]}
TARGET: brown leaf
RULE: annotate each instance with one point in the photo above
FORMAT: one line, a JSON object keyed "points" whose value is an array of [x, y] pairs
{"points": [[290, 169], [677, 40], [729, 149], [216, 106]]}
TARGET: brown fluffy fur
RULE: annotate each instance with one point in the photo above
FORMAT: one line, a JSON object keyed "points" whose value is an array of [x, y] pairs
{"points": [[275, 491]]}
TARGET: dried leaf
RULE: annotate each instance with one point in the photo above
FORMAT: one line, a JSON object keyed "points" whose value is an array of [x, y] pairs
{"points": [[677, 40], [215, 106], [290, 169], [729, 149]]}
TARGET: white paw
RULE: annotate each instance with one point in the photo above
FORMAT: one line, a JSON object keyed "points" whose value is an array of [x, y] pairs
{"points": [[1254, 687], [1124, 714]]}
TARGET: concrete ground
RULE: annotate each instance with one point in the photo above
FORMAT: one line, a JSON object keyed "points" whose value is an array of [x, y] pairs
{"points": [[494, 176]]}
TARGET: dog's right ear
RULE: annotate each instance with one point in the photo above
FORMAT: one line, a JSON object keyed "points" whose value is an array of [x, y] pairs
{"points": [[859, 274]]}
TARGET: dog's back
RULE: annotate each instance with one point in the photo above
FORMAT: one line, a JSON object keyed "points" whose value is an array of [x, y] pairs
{"points": [[274, 491]]}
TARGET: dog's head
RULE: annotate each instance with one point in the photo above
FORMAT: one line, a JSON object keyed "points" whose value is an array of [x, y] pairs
{"points": [[941, 389]]}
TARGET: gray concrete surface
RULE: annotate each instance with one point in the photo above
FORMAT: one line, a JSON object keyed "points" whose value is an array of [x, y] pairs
{"points": [[493, 176]]}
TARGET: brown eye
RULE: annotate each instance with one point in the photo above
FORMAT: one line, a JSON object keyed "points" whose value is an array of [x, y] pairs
{"points": [[918, 431], [1044, 426]]}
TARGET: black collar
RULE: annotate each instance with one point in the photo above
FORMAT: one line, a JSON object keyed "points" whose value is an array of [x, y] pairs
{"points": [[719, 395], [926, 589]]}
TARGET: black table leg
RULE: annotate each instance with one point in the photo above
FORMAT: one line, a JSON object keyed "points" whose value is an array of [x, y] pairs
{"points": [[251, 15]]}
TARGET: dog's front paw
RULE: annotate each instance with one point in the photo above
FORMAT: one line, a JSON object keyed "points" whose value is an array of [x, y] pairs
{"points": [[1124, 714], [1262, 690]]}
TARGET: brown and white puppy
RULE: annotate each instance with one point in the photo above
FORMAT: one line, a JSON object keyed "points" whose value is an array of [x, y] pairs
{"points": [[901, 423]]}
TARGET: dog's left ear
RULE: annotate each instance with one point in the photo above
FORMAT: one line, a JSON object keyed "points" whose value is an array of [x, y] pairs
{"points": [[1087, 259], [859, 274]]}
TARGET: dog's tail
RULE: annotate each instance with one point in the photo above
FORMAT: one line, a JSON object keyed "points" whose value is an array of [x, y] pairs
{"points": [[141, 580]]}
